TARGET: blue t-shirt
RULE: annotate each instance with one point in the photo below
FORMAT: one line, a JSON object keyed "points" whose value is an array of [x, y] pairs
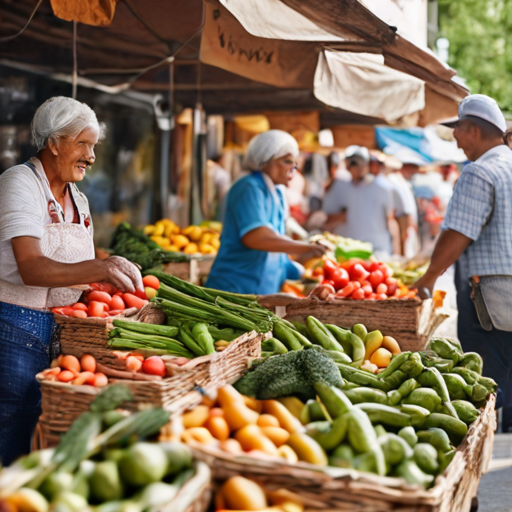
{"points": [[250, 205]]}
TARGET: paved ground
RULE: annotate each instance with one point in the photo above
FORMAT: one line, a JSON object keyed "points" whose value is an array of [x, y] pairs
{"points": [[495, 491]]}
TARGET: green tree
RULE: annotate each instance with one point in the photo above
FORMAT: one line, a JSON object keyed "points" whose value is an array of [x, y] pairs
{"points": [[480, 35]]}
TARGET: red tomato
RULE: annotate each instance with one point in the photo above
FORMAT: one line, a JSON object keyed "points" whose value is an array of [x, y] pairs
{"points": [[366, 265], [381, 289], [374, 266], [345, 292], [329, 268], [77, 313], [151, 281], [340, 278], [100, 296], [80, 305], [96, 309], [358, 273], [133, 364], [132, 301], [358, 294], [392, 285], [329, 282], [376, 278], [154, 366], [368, 290], [381, 296], [117, 303], [141, 294], [357, 285], [388, 271]]}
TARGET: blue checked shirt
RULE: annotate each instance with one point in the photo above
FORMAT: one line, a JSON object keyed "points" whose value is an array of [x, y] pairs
{"points": [[481, 209]]}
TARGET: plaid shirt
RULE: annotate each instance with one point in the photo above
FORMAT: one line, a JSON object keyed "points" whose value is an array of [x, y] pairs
{"points": [[481, 209]]}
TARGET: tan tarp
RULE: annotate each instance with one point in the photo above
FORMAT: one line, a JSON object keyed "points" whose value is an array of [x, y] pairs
{"points": [[226, 44], [98, 13], [361, 83], [345, 136], [294, 121]]}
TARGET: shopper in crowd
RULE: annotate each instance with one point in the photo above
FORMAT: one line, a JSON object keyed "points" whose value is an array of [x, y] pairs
{"points": [[407, 217], [46, 247], [477, 231], [361, 208], [253, 256]]}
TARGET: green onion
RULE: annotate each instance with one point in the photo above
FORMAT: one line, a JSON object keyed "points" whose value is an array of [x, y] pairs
{"points": [[159, 330]]}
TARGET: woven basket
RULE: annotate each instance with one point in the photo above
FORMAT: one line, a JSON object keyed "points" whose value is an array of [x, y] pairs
{"points": [[410, 321], [195, 495], [336, 490], [63, 403]]}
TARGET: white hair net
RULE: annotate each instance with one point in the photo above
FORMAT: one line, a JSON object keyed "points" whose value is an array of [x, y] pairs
{"points": [[267, 146], [61, 116]]}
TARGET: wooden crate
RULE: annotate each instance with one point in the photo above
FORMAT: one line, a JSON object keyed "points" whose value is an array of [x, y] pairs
{"points": [[328, 489], [194, 271]]}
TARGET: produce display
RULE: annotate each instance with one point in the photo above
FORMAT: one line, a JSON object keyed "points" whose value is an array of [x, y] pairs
{"points": [[103, 463], [353, 279], [405, 421], [135, 246], [104, 300], [68, 369], [203, 239], [409, 272]]}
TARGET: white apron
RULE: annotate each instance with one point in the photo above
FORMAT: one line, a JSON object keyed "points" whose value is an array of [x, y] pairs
{"points": [[63, 242]]}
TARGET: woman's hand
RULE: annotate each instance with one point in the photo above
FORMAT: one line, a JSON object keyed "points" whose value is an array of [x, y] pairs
{"points": [[123, 274]]}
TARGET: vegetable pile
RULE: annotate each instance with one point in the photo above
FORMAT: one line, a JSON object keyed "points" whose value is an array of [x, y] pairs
{"points": [[68, 369], [103, 463], [404, 421], [360, 279], [203, 239], [343, 248], [135, 246], [104, 300]]}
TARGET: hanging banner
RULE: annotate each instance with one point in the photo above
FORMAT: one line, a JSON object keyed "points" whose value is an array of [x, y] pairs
{"points": [[227, 45], [91, 12]]}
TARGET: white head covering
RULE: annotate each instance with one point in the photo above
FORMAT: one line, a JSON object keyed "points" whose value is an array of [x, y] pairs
{"points": [[267, 146]]}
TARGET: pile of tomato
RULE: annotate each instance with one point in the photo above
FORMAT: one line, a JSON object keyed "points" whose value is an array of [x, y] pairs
{"points": [[105, 300], [362, 279]]}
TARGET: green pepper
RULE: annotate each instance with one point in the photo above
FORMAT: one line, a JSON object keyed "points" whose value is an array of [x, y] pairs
{"points": [[437, 437], [352, 344], [395, 449], [416, 413], [274, 345], [396, 362], [396, 379], [413, 366], [299, 327], [331, 437], [443, 365], [342, 457], [320, 335], [424, 397], [444, 349], [362, 377], [432, 378], [394, 397], [363, 394], [468, 375], [407, 387], [339, 357], [472, 361], [334, 400], [457, 386]]}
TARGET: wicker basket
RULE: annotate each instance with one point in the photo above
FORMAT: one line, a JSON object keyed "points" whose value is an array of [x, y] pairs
{"points": [[195, 495], [63, 403], [411, 322], [336, 490]]}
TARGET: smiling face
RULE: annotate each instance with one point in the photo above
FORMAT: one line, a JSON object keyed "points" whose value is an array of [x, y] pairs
{"points": [[75, 155], [281, 170]]}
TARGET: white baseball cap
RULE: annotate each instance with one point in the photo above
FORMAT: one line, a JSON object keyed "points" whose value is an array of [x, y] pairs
{"points": [[484, 107], [357, 151]]}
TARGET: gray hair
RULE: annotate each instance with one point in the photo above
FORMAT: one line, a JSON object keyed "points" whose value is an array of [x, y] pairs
{"points": [[62, 117], [267, 146]]}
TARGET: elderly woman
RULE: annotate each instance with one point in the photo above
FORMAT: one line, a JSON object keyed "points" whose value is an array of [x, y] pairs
{"points": [[46, 248], [253, 256]]}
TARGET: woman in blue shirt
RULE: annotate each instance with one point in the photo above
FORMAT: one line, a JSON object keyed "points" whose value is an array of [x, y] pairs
{"points": [[253, 256]]}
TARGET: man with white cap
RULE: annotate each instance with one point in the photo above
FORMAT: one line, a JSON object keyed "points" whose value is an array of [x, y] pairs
{"points": [[477, 231], [361, 208]]}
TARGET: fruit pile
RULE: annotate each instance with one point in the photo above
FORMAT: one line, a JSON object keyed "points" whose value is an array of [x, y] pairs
{"points": [[361, 279], [203, 239], [70, 370], [104, 300]]}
